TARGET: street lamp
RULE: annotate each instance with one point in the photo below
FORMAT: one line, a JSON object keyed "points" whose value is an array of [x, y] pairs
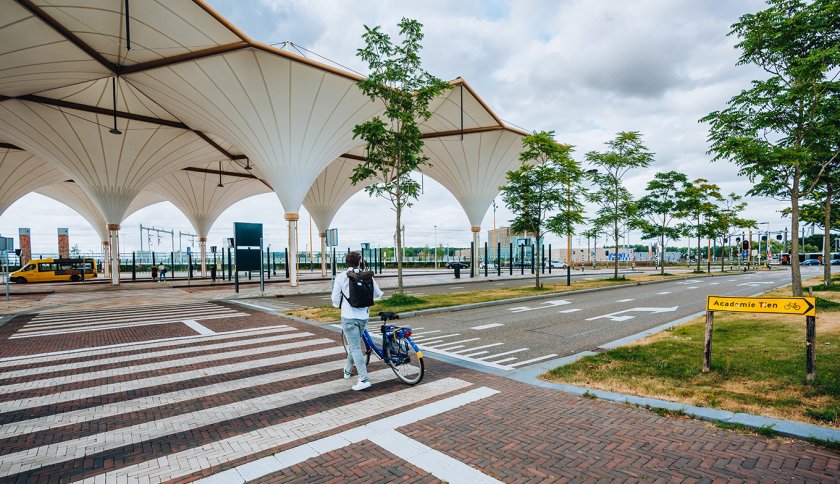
{"points": [[762, 238]]}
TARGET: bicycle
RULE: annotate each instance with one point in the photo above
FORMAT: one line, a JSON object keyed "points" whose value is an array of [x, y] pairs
{"points": [[398, 350], [792, 305]]}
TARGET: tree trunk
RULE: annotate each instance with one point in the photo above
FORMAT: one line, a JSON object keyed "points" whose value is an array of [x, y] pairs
{"points": [[795, 275], [538, 263], [616, 237], [698, 244], [827, 237], [662, 256], [398, 254], [722, 253]]}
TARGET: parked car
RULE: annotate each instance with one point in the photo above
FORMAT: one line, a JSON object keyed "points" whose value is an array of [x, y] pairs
{"points": [[462, 265], [556, 264], [812, 262], [834, 262]]}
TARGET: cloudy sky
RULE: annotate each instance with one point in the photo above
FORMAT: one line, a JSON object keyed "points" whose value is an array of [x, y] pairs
{"points": [[584, 69]]}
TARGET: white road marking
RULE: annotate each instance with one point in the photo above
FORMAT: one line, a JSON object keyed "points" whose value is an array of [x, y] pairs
{"points": [[139, 345], [47, 422], [54, 453], [180, 464], [714, 283], [120, 387], [20, 334], [692, 287], [568, 311], [663, 293], [160, 365], [487, 326], [458, 287], [198, 328], [430, 460], [533, 360], [625, 300], [456, 342], [620, 316], [476, 353], [498, 362], [503, 354], [424, 332], [429, 338], [478, 348], [140, 356]]}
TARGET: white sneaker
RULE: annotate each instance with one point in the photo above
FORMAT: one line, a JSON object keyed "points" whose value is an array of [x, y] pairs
{"points": [[362, 384], [347, 374]]}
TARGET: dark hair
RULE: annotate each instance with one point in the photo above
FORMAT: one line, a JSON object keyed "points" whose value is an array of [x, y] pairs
{"points": [[352, 259]]}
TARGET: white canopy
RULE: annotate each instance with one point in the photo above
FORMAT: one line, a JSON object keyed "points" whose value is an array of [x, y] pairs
{"points": [[22, 172]]}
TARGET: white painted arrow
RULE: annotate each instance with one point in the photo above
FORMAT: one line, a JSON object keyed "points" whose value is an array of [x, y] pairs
{"points": [[544, 305], [620, 316]]}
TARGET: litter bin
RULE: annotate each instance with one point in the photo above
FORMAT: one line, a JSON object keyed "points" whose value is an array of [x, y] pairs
{"points": [[457, 268]]}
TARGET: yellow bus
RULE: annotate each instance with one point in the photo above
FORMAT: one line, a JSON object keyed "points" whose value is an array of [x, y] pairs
{"points": [[55, 270]]}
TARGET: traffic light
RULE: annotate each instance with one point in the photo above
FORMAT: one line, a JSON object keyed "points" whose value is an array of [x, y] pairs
{"points": [[764, 238], [746, 245], [778, 236]]}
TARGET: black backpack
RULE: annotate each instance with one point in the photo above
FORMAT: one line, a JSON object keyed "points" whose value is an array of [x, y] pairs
{"points": [[361, 289]]}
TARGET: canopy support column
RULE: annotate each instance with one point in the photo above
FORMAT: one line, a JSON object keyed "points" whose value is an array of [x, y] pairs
{"points": [[202, 244], [323, 236], [106, 259], [293, 218], [114, 243], [474, 263]]}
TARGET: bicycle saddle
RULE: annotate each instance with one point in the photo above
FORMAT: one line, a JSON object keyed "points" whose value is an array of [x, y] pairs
{"points": [[386, 315]]}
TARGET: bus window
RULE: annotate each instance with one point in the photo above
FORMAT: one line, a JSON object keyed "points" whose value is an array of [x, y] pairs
{"points": [[47, 267], [30, 267]]}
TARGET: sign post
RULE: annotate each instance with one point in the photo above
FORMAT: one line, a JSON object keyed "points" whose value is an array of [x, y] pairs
{"points": [[800, 306], [247, 243], [7, 244]]}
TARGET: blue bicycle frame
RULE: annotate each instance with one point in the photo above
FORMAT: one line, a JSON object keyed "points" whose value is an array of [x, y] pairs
{"points": [[389, 333]]}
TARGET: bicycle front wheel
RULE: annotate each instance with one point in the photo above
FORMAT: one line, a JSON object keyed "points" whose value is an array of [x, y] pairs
{"points": [[406, 363], [366, 351]]}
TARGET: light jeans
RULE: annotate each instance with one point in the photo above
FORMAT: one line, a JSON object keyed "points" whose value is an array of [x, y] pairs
{"points": [[353, 329]]}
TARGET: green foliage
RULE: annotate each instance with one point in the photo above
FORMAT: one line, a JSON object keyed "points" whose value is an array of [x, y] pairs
{"points": [[401, 299], [655, 213], [393, 143], [588, 394], [777, 131], [615, 204], [827, 304], [548, 181], [827, 414]]}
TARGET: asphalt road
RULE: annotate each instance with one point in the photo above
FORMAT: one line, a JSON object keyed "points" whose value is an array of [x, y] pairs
{"points": [[515, 335]]}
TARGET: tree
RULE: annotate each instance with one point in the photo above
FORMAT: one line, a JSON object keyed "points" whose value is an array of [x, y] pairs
{"points": [[394, 145], [655, 212], [765, 128], [615, 204], [725, 218], [536, 189], [697, 203]]}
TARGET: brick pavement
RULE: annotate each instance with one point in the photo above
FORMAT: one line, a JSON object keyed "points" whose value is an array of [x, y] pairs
{"points": [[178, 405]]}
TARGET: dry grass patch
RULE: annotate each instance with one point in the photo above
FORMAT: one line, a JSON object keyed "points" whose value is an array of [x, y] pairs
{"points": [[758, 366]]}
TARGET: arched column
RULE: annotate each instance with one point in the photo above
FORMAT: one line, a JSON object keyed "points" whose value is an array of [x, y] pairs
{"points": [[293, 218], [202, 244], [106, 259], [474, 263], [114, 243], [323, 236]]}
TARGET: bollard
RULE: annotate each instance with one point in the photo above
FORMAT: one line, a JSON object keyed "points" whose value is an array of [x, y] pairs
{"points": [[457, 267]]}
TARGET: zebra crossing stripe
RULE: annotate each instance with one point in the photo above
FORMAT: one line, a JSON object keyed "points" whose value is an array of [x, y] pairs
{"points": [[441, 346], [478, 348], [146, 356], [120, 387], [151, 315], [137, 346], [380, 432], [20, 335], [503, 354], [63, 314], [96, 375], [54, 453], [47, 422], [532, 360], [190, 461]]}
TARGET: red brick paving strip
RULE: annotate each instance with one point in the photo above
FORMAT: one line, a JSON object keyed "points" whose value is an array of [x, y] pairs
{"points": [[368, 463]]}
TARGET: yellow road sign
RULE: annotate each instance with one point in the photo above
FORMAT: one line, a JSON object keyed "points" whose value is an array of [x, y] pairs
{"points": [[802, 306]]}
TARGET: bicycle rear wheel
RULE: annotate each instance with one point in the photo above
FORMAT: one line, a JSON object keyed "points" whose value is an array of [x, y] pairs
{"points": [[401, 357], [366, 351]]}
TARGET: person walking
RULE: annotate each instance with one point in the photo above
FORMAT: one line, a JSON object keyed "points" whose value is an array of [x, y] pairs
{"points": [[162, 271], [354, 292], [154, 273]]}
